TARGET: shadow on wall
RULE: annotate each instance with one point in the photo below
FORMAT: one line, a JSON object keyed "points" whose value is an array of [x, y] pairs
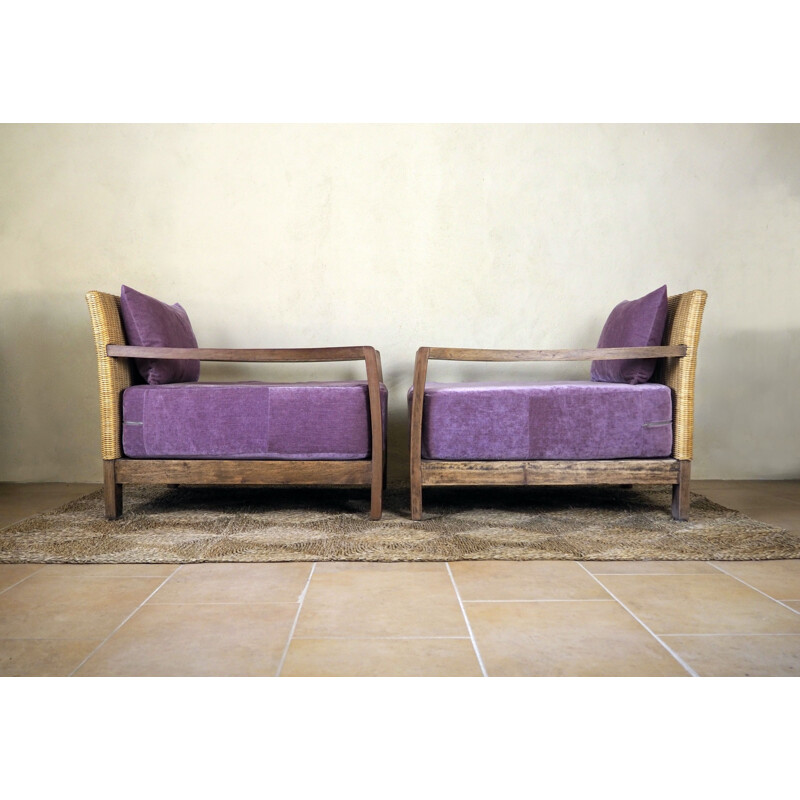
{"points": [[49, 409], [746, 422], [48, 395], [746, 405]]}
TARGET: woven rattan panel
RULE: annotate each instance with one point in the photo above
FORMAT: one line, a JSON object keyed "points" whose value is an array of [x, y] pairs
{"points": [[114, 374], [683, 327]]}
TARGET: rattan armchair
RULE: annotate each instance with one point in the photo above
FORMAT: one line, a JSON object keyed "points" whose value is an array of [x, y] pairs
{"points": [[677, 361], [116, 372]]}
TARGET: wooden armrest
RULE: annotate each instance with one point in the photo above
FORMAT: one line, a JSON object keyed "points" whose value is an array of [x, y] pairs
{"points": [[598, 354], [292, 354]]}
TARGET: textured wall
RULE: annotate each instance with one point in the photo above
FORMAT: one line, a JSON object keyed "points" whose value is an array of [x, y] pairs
{"points": [[397, 236]]}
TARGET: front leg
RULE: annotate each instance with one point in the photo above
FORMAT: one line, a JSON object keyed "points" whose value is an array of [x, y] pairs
{"points": [[112, 491], [680, 492]]}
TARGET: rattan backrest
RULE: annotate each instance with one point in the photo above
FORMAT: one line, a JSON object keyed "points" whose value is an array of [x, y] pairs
{"points": [[114, 374], [683, 327]]}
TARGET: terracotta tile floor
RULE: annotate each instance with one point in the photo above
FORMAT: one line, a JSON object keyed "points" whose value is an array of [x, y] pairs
{"points": [[429, 619]]}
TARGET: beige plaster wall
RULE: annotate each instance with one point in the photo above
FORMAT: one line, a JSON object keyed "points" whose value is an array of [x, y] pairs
{"points": [[400, 235]]}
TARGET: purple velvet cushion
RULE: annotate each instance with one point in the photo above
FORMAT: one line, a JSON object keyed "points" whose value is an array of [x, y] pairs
{"points": [[150, 323], [633, 323], [252, 420], [565, 420]]}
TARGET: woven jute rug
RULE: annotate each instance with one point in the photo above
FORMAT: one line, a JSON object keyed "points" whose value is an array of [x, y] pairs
{"points": [[196, 524]]}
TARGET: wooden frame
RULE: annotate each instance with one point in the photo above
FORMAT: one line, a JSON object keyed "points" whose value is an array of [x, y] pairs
{"points": [[119, 470], [677, 359]]}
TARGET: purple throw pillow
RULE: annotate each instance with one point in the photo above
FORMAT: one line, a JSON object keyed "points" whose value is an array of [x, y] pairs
{"points": [[633, 323], [150, 323]]}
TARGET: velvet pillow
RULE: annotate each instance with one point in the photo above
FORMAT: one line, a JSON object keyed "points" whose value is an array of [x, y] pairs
{"points": [[633, 323], [150, 323]]}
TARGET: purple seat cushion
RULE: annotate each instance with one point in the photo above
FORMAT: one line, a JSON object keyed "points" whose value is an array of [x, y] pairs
{"points": [[252, 420], [571, 420], [632, 323], [150, 323]]}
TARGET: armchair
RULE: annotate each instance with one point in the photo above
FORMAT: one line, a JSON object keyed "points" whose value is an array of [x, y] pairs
{"points": [[581, 432], [186, 432]]}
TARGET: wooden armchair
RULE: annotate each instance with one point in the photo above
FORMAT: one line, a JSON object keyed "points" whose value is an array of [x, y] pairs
{"points": [[116, 372], [676, 369]]}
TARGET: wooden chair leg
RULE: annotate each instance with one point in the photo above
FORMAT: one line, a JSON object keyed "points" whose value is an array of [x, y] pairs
{"points": [[415, 431], [376, 499], [377, 432], [112, 491], [416, 501], [376, 487], [680, 492], [416, 490]]}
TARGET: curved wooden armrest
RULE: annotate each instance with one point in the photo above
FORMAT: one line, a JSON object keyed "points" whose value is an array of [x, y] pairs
{"points": [[597, 354], [288, 354]]}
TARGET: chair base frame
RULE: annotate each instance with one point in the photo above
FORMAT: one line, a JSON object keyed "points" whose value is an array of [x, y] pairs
{"points": [[174, 472], [624, 471]]}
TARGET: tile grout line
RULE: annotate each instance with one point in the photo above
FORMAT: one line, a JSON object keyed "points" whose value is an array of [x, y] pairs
{"points": [[548, 600], [650, 574], [229, 602], [22, 580], [700, 635], [646, 627], [379, 638], [135, 610], [466, 620], [749, 586], [294, 622]]}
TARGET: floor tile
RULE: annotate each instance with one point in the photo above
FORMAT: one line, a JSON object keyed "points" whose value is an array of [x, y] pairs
{"points": [[381, 657], [525, 580], [235, 583], [43, 493], [21, 500], [772, 502], [59, 607], [648, 567], [380, 600], [750, 491], [197, 640], [568, 638], [700, 604], [740, 656], [778, 579], [790, 490], [14, 573], [778, 515], [42, 657]]}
